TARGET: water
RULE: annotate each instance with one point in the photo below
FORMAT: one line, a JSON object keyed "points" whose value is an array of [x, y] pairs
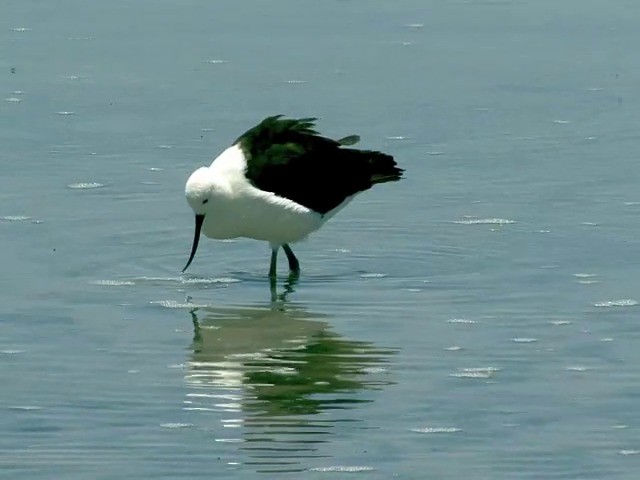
{"points": [[477, 320]]}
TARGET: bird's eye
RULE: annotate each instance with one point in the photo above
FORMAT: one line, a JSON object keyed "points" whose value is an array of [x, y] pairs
{"points": [[205, 201]]}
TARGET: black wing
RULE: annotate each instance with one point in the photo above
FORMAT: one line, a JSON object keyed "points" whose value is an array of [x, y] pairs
{"points": [[289, 158]]}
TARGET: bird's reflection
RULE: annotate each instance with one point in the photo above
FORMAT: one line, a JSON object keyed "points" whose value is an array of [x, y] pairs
{"points": [[288, 287], [277, 381]]}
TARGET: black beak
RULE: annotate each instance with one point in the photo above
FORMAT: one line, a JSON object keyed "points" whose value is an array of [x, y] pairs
{"points": [[196, 238]]}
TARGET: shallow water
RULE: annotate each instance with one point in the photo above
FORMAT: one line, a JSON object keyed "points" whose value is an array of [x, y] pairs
{"points": [[476, 320]]}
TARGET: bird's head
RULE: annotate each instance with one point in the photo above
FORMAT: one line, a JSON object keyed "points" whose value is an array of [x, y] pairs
{"points": [[198, 192]]}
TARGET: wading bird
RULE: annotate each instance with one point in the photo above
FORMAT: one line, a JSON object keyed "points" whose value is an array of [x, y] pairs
{"points": [[279, 182]]}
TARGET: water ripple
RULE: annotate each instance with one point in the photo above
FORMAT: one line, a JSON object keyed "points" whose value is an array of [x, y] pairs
{"points": [[112, 283], [85, 185], [475, 372], [343, 469], [436, 430], [629, 452], [16, 218], [617, 303], [462, 320], [189, 280], [484, 221]]}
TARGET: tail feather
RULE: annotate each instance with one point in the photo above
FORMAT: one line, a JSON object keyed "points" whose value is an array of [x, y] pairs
{"points": [[349, 140]]}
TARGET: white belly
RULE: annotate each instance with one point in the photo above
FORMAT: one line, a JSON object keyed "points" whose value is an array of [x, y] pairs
{"points": [[261, 216]]}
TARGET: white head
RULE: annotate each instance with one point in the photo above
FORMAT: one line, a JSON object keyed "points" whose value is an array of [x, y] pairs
{"points": [[209, 187], [198, 191]]}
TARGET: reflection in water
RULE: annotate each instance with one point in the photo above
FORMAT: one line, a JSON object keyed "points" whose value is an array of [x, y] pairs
{"points": [[277, 381]]}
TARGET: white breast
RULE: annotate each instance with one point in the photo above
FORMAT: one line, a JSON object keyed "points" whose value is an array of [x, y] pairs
{"points": [[238, 209]]}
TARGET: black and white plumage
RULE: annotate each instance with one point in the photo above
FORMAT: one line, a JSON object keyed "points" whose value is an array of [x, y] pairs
{"points": [[279, 182]]}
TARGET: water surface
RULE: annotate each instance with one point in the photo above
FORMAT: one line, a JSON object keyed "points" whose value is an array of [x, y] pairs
{"points": [[476, 320]]}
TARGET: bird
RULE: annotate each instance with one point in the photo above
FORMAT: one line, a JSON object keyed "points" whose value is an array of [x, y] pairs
{"points": [[279, 182]]}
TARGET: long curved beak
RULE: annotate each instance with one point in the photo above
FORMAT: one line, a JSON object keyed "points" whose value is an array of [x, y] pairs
{"points": [[196, 239]]}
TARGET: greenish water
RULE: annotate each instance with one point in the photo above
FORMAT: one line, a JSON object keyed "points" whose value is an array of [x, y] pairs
{"points": [[476, 320]]}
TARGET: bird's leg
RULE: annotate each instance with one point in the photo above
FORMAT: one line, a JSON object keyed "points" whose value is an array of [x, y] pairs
{"points": [[274, 258], [294, 264]]}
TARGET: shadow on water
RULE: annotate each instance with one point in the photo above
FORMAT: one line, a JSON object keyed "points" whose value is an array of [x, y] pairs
{"points": [[277, 382]]}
